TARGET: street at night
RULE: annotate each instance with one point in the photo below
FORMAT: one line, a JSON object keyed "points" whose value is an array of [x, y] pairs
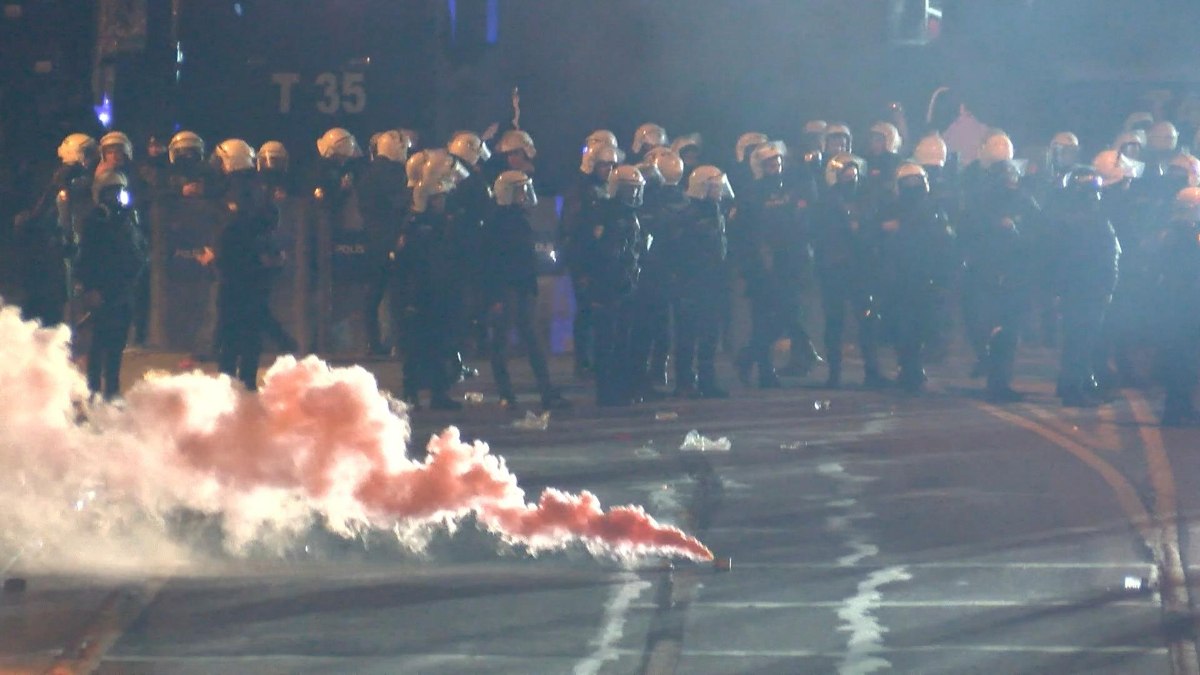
{"points": [[866, 530]]}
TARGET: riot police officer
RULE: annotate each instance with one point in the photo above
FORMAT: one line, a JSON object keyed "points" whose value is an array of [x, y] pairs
{"points": [[470, 203], [844, 255], [771, 241], [48, 234], [917, 257], [664, 202], [248, 260], [696, 250], [509, 275], [188, 175], [580, 215], [427, 264], [1085, 255], [112, 257], [1000, 234], [608, 258], [1179, 291], [383, 201]]}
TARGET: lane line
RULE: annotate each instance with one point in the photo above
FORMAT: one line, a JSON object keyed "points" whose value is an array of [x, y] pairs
{"points": [[952, 565], [1126, 494], [1175, 594], [909, 604], [613, 627]]}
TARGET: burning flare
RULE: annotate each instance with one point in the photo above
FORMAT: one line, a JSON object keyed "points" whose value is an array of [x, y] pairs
{"points": [[316, 445]]}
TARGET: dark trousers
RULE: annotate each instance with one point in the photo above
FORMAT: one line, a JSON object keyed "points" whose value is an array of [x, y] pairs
{"points": [[1000, 312], [1083, 324], [914, 319], [110, 330], [836, 295], [614, 365], [515, 309], [243, 316], [583, 327], [1180, 364], [427, 348], [697, 329], [377, 286], [651, 339]]}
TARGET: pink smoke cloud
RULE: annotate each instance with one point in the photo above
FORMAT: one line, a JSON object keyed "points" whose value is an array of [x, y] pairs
{"points": [[317, 444]]}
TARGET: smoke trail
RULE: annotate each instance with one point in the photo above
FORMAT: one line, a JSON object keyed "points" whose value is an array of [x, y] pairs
{"points": [[316, 446]]}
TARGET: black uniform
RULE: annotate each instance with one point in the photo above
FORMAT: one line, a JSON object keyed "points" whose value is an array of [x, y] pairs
{"points": [[1084, 262], [383, 198], [1179, 305], [112, 258], [48, 245], [770, 234], [509, 288], [696, 251], [426, 266], [248, 260], [659, 218], [580, 216], [999, 235], [844, 251], [607, 260], [917, 260]]}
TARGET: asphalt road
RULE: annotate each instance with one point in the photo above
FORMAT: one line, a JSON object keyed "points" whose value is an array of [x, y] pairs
{"points": [[868, 531]]}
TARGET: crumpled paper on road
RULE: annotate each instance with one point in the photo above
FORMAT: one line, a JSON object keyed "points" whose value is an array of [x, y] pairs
{"points": [[533, 421], [696, 442]]}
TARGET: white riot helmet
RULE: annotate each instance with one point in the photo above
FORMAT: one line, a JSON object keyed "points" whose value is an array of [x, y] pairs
{"points": [[337, 143], [931, 151], [669, 164], [890, 134], [116, 139], [839, 164], [764, 153], [1114, 167], [232, 155], [648, 136], [439, 175], [838, 133], [1186, 164], [599, 154], [815, 130], [1065, 139], [997, 147], [515, 187], [651, 173], [1127, 139], [626, 185], [185, 143], [469, 147], [710, 183], [110, 178], [515, 139], [1187, 204], [272, 156], [687, 141], [1138, 121], [389, 145], [78, 149], [911, 176], [413, 168], [601, 137], [1163, 137], [746, 144]]}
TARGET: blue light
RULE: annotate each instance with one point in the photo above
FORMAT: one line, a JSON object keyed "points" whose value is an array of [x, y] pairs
{"points": [[558, 206], [104, 112], [452, 7], [493, 21], [237, 8]]}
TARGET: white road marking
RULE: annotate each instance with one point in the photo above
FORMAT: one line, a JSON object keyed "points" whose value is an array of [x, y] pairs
{"points": [[904, 604], [864, 644], [613, 627]]}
